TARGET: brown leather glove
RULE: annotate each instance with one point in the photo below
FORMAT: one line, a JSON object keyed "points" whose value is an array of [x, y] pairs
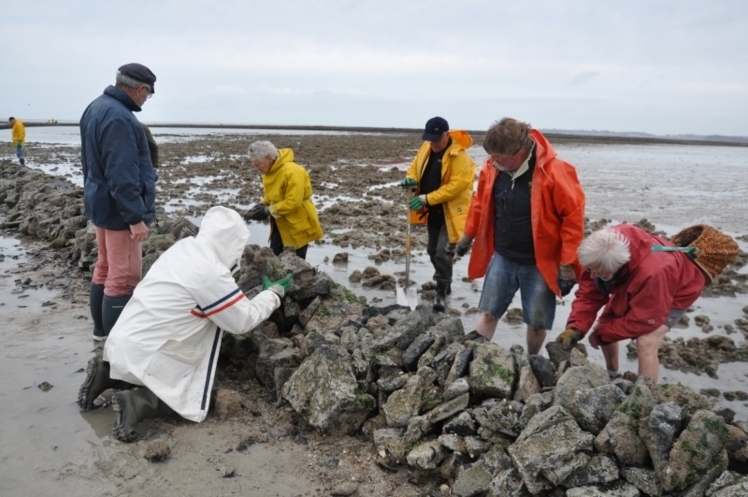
{"points": [[569, 338]]}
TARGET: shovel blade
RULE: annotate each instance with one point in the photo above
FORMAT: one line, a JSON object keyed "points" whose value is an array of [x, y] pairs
{"points": [[407, 298]]}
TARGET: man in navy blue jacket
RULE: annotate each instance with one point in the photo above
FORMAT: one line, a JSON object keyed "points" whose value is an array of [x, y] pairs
{"points": [[119, 190]]}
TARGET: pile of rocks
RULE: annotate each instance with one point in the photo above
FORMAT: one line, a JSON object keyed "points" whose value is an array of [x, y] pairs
{"points": [[488, 421]]}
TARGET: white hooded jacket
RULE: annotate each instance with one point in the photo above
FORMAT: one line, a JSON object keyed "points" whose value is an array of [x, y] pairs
{"points": [[169, 334]]}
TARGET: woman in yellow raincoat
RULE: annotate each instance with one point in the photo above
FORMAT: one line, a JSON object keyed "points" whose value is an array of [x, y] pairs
{"points": [[287, 199]]}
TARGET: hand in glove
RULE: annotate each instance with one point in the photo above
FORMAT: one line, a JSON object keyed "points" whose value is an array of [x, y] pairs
{"points": [[463, 245], [407, 183], [259, 212], [569, 338], [566, 272], [566, 279], [19, 143], [418, 203], [280, 287], [450, 249]]}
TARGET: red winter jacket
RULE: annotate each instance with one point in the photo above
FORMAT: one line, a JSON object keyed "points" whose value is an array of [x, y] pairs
{"points": [[643, 293]]}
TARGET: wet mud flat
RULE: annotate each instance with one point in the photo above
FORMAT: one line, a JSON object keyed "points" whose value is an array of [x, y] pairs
{"points": [[354, 180]]}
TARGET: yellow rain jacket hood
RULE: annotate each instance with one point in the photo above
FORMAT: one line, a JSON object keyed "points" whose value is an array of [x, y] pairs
{"points": [[288, 195]]}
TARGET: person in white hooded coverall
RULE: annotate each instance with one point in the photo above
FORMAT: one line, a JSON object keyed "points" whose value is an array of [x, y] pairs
{"points": [[169, 334]]}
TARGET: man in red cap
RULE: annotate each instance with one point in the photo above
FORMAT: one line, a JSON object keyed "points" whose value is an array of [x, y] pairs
{"points": [[118, 189]]}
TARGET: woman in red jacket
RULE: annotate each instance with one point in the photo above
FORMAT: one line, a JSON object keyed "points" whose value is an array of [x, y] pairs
{"points": [[644, 293]]}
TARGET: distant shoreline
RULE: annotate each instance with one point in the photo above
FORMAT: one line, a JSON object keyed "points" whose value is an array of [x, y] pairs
{"points": [[553, 136]]}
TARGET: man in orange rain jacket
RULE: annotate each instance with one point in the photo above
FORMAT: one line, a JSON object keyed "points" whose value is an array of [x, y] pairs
{"points": [[525, 223]]}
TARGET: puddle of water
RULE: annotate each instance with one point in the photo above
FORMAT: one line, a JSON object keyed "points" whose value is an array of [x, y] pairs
{"points": [[14, 294]]}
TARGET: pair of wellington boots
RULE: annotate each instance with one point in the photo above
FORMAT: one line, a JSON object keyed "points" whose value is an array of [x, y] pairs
{"points": [[105, 310], [131, 406], [134, 406], [440, 299]]}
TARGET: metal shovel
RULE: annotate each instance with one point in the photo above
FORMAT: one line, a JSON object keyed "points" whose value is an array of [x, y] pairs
{"points": [[407, 296]]}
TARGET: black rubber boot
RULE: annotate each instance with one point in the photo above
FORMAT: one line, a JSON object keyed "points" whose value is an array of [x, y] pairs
{"points": [[23, 161], [111, 309], [132, 407], [96, 302], [97, 382], [440, 304]]}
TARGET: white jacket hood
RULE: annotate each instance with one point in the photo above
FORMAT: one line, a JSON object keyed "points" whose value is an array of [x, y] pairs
{"points": [[226, 233]]}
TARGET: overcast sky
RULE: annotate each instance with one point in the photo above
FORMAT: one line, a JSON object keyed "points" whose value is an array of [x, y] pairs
{"points": [[663, 67]]}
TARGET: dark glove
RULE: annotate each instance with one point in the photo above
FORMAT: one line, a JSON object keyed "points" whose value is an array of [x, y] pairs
{"points": [[19, 143], [450, 249], [566, 286], [407, 183], [418, 203], [463, 245], [259, 212], [280, 287], [569, 338], [566, 279]]}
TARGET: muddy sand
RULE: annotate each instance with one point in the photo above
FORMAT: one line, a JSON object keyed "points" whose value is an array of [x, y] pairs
{"points": [[49, 447]]}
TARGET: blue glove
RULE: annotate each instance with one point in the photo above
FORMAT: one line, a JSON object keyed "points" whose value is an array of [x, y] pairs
{"points": [[565, 286], [418, 203], [407, 183]]}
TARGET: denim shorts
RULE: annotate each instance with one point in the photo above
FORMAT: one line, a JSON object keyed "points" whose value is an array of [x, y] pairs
{"points": [[503, 279], [674, 316]]}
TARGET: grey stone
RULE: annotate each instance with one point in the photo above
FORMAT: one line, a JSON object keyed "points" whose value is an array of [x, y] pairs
{"points": [[392, 383], [428, 375], [624, 385], [504, 418], [426, 455], [402, 333], [492, 371], [462, 424], [528, 384], [579, 378], [593, 408], [738, 490], [551, 448], [621, 435], [344, 489], [418, 427], [558, 354], [460, 366], [658, 431], [383, 434], [577, 358], [442, 362], [432, 352], [454, 443], [699, 488], [507, 484], [726, 479], [450, 328], [695, 452], [449, 467], [459, 387], [618, 489], [306, 315], [324, 392], [448, 409], [645, 480], [476, 447], [472, 480], [405, 403], [689, 400], [415, 350], [544, 370], [535, 404], [600, 469]]}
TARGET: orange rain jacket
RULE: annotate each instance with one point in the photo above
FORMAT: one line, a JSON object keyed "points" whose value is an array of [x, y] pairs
{"points": [[458, 174], [557, 210]]}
